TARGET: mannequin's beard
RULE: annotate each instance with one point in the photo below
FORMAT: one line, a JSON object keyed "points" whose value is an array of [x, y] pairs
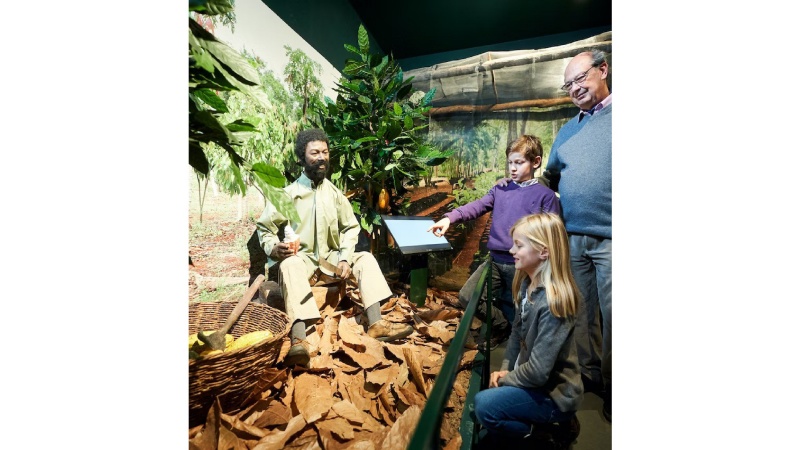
{"points": [[315, 173]]}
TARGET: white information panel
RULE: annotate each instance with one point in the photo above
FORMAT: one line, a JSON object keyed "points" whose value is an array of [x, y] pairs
{"points": [[411, 234]]}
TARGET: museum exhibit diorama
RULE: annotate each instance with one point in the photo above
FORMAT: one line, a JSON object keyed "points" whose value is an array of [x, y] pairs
{"points": [[414, 133]]}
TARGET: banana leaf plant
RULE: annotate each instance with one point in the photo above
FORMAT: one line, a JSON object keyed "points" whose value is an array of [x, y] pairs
{"points": [[374, 127], [215, 67]]}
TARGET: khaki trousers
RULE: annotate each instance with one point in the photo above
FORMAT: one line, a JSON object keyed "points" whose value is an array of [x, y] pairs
{"points": [[295, 271]]}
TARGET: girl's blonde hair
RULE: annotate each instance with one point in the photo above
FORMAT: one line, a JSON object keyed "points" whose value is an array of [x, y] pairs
{"points": [[546, 230]]}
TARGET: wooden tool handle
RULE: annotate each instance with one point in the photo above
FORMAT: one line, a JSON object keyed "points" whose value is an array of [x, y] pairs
{"points": [[242, 304]]}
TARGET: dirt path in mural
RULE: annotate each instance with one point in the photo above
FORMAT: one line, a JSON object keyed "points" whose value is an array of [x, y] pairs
{"points": [[466, 243]]}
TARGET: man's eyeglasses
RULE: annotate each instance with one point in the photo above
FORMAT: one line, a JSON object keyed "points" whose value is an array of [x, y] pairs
{"points": [[577, 80]]}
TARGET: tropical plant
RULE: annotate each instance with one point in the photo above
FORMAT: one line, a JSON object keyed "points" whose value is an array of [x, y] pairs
{"points": [[374, 129], [215, 67]]}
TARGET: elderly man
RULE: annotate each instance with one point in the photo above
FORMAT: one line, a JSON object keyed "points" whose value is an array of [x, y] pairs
{"points": [[328, 230], [579, 169]]}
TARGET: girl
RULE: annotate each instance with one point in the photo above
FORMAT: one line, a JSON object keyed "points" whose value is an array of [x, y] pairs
{"points": [[507, 203], [539, 380]]}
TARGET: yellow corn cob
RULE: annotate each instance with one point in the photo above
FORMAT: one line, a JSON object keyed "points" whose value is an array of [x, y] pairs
{"points": [[248, 339], [208, 353]]}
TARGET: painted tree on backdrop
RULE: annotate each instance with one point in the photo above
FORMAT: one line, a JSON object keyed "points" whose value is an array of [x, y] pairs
{"points": [[302, 76], [375, 126], [213, 68]]}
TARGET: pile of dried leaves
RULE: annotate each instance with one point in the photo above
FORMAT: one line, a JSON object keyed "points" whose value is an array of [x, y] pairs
{"points": [[357, 392]]}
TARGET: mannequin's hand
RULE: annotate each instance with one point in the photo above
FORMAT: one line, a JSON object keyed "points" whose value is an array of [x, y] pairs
{"points": [[345, 266]]}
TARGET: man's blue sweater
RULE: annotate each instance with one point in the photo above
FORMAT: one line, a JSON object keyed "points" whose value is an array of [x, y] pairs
{"points": [[579, 169]]}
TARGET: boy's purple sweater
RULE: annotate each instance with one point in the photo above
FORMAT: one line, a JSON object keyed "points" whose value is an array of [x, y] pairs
{"points": [[509, 204]]}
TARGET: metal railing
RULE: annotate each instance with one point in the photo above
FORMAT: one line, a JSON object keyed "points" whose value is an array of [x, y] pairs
{"points": [[426, 435]]}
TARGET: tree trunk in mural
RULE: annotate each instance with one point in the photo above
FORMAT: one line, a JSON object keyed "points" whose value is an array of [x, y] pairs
{"points": [[522, 124]]}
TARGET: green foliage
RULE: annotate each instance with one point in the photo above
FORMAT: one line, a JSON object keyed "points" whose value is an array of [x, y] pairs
{"points": [[374, 129], [213, 68], [476, 148], [483, 183], [302, 75]]}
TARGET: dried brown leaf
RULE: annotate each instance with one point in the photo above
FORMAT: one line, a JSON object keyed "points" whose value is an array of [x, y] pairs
{"points": [[313, 340], [271, 378], [388, 408], [355, 416], [467, 359], [383, 376], [229, 441], [454, 443], [194, 430], [401, 397], [330, 441], [209, 437], [412, 395], [308, 439], [395, 351], [400, 434], [345, 366], [375, 349], [324, 361], [275, 414], [445, 314], [356, 392], [350, 333], [375, 412], [415, 370], [241, 429], [440, 335], [364, 360], [313, 396], [338, 426], [288, 392], [277, 440], [329, 331], [362, 441]]}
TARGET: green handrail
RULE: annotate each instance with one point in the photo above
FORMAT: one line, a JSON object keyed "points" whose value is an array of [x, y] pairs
{"points": [[426, 435]]}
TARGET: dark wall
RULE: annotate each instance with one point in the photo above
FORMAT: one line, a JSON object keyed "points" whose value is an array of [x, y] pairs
{"points": [[325, 24], [329, 24]]}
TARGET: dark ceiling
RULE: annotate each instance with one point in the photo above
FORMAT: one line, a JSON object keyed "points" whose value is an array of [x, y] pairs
{"points": [[421, 33], [411, 28]]}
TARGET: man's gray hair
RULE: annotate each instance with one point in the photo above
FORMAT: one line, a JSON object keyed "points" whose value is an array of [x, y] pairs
{"points": [[598, 57]]}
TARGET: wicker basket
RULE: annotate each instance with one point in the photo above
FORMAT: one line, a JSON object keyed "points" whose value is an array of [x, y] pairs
{"points": [[233, 376]]}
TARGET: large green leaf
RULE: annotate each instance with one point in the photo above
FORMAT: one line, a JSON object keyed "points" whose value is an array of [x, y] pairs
{"points": [[363, 41], [211, 99], [236, 64], [199, 57], [197, 157], [241, 125], [237, 174], [269, 174], [279, 199], [352, 49]]}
